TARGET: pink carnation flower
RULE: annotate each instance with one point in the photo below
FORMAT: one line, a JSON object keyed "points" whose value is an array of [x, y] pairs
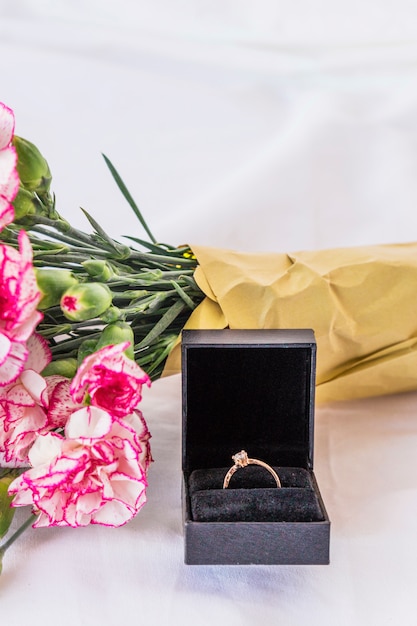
{"points": [[96, 474], [112, 380], [60, 403], [9, 179], [19, 293], [32, 404], [22, 415], [19, 297], [13, 355]]}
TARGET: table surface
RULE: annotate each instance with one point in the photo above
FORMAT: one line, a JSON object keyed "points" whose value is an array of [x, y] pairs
{"points": [[256, 126], [366, 467]]}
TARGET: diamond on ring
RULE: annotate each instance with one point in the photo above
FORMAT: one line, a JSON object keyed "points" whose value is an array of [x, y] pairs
{"points": [[241, 459]]}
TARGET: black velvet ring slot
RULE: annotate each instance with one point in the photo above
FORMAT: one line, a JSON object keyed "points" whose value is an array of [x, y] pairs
{"points": [[256, 505], [267, 413], [253, 496]]}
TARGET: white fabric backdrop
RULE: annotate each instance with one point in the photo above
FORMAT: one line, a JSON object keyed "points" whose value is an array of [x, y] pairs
{"points": [[266, 125], [251, 125]]}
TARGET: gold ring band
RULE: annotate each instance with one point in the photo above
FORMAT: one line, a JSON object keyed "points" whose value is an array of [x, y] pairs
{"points": [[241, 459]]}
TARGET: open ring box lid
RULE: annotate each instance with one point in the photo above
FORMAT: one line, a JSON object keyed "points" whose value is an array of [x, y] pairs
{"points": [[250, 390]]}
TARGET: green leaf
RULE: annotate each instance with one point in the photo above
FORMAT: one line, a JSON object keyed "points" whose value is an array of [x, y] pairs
{"points": [[162, 325], [153, 247], [121, 250], [6, 511], [128, 197], [183, 295]]}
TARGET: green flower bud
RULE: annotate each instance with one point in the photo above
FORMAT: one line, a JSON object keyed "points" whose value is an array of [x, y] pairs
{"points": [[24, 204], [111, 315], [85, 301], [98, 269], [86, 348], [6, 511], [53, 283], [63, 367], [32, 167], [115, 333]]}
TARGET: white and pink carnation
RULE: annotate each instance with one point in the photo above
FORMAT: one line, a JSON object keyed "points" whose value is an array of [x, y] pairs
{"points": [[138, 424], [13, 355], [19, 297], [32, 404], [22, 416], [19, 293], [9, 179], [96, 474], [60, 402], [110, 380]]}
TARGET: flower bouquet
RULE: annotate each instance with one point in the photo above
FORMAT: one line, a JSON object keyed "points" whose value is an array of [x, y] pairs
{"points": [[81, 318], [86, 321]]}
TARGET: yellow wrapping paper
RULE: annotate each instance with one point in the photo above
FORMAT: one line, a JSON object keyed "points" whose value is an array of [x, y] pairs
{"points": [[360, 302]]}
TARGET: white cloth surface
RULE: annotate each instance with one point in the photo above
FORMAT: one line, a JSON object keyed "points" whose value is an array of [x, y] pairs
{"points": [[266, 125], [366, 465]]}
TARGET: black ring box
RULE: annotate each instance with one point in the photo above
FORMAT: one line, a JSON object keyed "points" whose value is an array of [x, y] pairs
{"points": [[251, 390]]}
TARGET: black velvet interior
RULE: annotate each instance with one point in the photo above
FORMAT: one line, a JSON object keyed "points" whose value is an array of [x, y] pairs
{"points": [[250, 477], [253, 397], [250, 390], [252, 496]]}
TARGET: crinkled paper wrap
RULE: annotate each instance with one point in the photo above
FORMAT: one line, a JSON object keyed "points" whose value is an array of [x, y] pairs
{"points": [[360, 302]]}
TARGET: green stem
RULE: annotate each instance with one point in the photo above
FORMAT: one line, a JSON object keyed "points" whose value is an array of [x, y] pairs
{"points": [[71, 241], [162, 259], [17, 534], [62, 227], [71, 344], [153, 259], [69, 258]]}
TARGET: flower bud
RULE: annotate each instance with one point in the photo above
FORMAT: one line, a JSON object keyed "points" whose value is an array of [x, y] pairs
{"points": [[32, 167], [111, 315], [53, 283], [6, 511], [24, 203], [98, 269], [85, 301], [86, 348], [63, 367], [115, 333]]}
